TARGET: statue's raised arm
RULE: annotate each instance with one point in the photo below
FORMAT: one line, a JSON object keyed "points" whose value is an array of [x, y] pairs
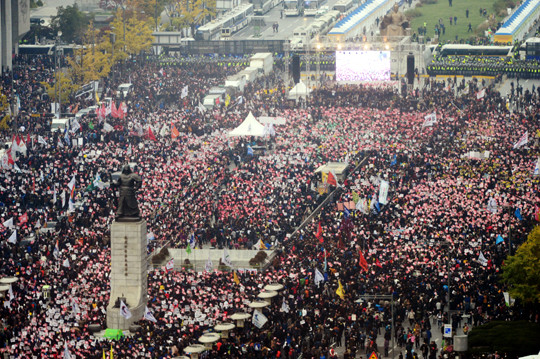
{"points": [[128, 208]]}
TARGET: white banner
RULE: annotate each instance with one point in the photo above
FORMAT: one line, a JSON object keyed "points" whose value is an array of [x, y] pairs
{"points": [[383, 192], [259, 319], [226, 258]]}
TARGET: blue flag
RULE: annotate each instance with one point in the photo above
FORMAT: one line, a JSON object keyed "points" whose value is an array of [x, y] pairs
{"points": [[517, 213], [346, 212], [500, 239], [192, 241], [250, 151], [66, 136], [378, 207], [394, 161]]}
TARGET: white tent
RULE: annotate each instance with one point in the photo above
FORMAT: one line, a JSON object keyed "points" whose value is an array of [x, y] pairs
{"points": [[537, 356], [300, 90], [250, 127]]}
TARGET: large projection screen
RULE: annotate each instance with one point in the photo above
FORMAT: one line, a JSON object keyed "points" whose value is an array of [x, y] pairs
{"points": [[362, 66]]}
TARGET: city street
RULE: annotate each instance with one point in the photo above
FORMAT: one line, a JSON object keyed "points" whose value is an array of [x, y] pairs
{"points": [[287, 25], [393, 353], [49, 8]]}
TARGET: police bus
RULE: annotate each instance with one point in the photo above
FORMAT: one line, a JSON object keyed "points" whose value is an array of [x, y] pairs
{"points": [[261, 7], [227, 24], [293, 7], [470, 50], [343, 6]]}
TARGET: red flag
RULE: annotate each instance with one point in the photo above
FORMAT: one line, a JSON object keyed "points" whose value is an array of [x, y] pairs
{"points": [[23, 219], [377, 263], [363, 262], [151, 134], [331, 179], [28, 140], [10, 159], [114, 111], [121, 111], [174, 131], [102, 112], [319, 234]]}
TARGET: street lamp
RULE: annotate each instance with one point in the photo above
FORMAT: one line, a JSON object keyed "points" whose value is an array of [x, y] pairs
{"points": [[447, 246], [124, 21], [319, 63], [113, 41], [57, 87]]}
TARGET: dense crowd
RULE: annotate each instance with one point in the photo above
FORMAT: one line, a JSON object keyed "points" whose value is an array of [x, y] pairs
{"points": [[429, 234]]}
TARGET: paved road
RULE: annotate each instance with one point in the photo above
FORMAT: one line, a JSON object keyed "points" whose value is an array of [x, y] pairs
{"points": [[49, 7], [286, 24], [504, 88], [394, 353]]}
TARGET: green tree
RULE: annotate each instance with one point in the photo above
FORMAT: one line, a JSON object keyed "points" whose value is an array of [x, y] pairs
{"points": [[515, 338], [71, 22], [522, 270]]}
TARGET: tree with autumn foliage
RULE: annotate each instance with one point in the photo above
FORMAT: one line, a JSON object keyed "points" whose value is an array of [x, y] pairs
{"points": [[191, 13], [5, 112], [65, 87], [92, 61], [133, 33]]}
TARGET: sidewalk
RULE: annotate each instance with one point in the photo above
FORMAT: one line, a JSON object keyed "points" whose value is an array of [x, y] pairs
{"points": [[436, 336]]}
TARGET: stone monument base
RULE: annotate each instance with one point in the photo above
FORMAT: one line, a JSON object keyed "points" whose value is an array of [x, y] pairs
{"points": [[116, 321], [128, 272]]}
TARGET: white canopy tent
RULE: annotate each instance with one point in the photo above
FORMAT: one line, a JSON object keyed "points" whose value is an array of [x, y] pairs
{"points": [[537, 356], [250, 127], [300, 90]]}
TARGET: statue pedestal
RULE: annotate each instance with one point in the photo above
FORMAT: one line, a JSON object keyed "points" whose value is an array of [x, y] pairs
{"points": [[128, 272]]}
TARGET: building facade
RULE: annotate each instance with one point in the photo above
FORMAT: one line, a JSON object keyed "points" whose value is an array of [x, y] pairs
{"points": [[14, 23]]}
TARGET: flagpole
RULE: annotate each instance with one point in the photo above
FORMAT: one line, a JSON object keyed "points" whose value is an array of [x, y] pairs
{"points": [[509, 209], [194, 258], [385, 297]]}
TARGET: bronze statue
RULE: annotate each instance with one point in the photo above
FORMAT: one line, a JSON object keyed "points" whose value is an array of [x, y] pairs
{"points": [[394, 23], [129, 183]]}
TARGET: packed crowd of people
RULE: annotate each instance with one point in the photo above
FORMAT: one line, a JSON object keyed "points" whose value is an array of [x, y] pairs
{"points": [[423, 241]]}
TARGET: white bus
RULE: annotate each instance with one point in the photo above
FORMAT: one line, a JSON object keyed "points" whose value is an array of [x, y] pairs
{"points": [[293, 7], [261, 7], [343, 5], [227, 24]]}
